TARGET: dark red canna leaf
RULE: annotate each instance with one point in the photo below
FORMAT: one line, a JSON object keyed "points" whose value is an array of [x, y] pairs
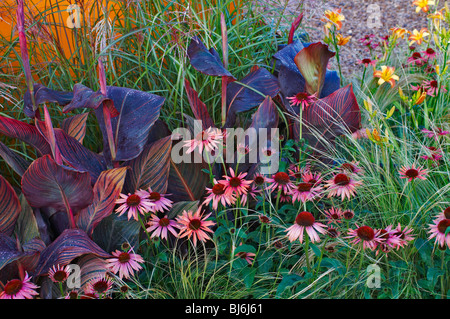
{"points": [[331, 116], [150, 168], [46, 183], [204, 61], [91, 267], [198, 107], [294, 26], [75, 126], [84, 97], [42, 94], [72, 243], [78, 156], [187, 181], [241, 98], [290, 79], [106, 191], [17, 163], [9, 207], [47, 131], [312, 62], [24, 132], [138, 111]]}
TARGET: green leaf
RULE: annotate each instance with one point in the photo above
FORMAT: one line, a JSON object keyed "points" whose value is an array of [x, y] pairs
{"points": [[287, 282], [249, 276]]}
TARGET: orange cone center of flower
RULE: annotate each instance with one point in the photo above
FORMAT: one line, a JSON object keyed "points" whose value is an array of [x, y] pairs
{"points": [[305, 219], [259, 180], [447, 212], [100, 286], [60, 276], [365, 233], [133, 200], [334, 216], [13, 287], [218, 189], [341, 180], [164, 222], [412, 173], [304, 187], [416, 55], [235, 182], [443, 225], [366, 61], [195, 224], [124, 258], [73, 295], [281, 178], [433, 84]]}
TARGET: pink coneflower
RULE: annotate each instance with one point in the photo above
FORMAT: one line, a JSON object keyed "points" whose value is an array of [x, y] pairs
{"points": [[348, 214], [305, 221], [435, 154], [313, 178], [243, 149], [333, 232], [367, 62], [263, 219], [404, 235], [352, 167], [235, 184], [124, 263], [411, 173], [208, 140], [259, 179], [252, 191], [159, 200], [268, 151], [59, 273], [334, 215], [416, 59], [445, 214], [438, 229], [248, 257], [133, 204], [281, 181], [217, 194], [195, 226], [366, 235], [342, 185], [388, 240], [302, 99], [19, 289], [429, 53], [304, 192], [160, 226], [435, 132], [432, 87], [100, 285], [296, 171]]}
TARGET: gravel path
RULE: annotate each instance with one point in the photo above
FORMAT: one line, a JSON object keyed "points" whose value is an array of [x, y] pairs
{"points": [[392, 13]]}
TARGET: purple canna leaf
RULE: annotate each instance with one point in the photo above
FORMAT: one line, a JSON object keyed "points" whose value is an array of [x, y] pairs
{"points": [[9, 207]]}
